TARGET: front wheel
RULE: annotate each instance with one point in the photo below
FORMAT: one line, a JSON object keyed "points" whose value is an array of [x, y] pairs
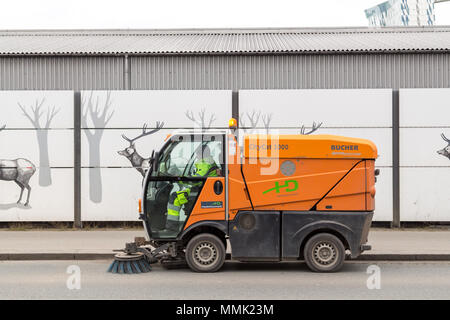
{"points": [[205, 253], [324, 252]]}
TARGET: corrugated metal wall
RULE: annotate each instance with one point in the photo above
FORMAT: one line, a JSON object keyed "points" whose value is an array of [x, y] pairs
{"points": [[291, 71], [58, 73], [228, 72]]}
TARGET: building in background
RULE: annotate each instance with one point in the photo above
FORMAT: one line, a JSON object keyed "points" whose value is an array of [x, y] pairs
{"points": [[228, 59], [402, 13]]}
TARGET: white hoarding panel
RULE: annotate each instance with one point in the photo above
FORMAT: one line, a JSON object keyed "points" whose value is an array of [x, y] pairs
{"points": [[424, 154], [44, 148], [37, 109], [176, 108], [36, 153], [425, 194], [424, 147], [424, 107], [383, 197], [120, 190], [47, 203], [334, 108]]}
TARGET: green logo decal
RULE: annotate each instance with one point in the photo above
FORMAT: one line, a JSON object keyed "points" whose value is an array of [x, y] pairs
{"points": [[290, 185], [212, 204]]}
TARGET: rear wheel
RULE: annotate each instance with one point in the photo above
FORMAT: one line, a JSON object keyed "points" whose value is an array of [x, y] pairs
{"points": [[324, 252], [205, 253]]}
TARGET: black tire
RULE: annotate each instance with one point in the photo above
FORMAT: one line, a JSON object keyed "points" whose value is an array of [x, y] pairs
{"points": [[324, 252], [205, 253]]}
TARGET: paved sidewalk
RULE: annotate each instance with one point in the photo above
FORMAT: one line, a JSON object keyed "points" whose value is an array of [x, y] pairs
{"points": [[66, 241], [387, 244]]}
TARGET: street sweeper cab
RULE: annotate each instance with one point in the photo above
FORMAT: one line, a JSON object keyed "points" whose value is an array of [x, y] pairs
{"points": [[268, 198]]}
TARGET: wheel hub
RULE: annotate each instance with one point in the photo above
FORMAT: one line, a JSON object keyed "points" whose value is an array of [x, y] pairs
{"points": [[205, 253], [324, 253]]}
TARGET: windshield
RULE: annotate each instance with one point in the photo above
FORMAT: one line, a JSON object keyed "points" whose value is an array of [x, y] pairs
{"points": [[179, 155], [173, 186]]}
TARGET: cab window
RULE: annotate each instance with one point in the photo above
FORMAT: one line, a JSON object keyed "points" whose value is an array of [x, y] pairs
{"points": [[179, 157]]}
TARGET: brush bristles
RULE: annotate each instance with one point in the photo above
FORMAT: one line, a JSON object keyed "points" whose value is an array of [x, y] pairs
{"points": [[133, 266]]}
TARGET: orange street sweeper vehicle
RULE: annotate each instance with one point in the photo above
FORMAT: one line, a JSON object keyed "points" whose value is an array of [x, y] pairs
{"points": [[276, 198]]}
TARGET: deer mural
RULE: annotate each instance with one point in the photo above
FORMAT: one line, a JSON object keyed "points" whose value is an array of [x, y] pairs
{"points": [[20, 171], [138, 162], [445, 151], [314, 128]]}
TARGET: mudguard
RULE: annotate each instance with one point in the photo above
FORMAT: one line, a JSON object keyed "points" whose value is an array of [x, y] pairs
{"points": [[297, 226], [220, 225]]}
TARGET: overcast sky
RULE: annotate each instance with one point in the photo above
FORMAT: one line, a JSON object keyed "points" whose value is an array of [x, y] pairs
{"points": [[104, 14]]}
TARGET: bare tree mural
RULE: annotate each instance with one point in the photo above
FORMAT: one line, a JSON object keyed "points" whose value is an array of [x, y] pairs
{"points": [[445, 151], [138, 162], [266, 119], [254, 116], [18, 170], [45, 177], [202, 121], [99, 115]]}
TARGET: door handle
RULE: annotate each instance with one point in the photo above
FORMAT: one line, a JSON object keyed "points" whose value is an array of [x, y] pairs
{"points": [[218, 187]]}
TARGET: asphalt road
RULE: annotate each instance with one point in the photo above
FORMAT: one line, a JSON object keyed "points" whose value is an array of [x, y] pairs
{"points": [[48, 280]]}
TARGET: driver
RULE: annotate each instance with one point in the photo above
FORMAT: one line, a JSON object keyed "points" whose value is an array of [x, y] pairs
{"points": [[204, 166]]}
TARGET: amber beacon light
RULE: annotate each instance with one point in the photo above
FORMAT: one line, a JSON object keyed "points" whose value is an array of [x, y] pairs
{"points": [[232, 123]]}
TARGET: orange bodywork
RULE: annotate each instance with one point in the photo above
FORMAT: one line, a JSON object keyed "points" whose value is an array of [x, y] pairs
{"points": [[312, 179], [370, 185], [207, 194], [294, 173], [260, 146]]}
